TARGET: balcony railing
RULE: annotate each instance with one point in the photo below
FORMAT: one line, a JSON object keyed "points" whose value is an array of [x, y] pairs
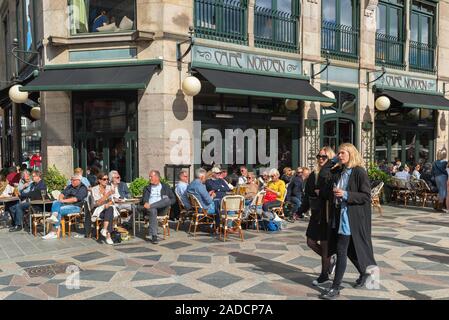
{"points": [[389, 50], [222, 20], [422, 56], [340, 40], [275, 29]]}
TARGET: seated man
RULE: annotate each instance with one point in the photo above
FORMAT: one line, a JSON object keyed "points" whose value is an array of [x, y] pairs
{"points": [[70, 201], [84, 180], [402, 174], [157, 198], [34, 193], [198, 189], [121, 193], [181, 188], [218, 186]]}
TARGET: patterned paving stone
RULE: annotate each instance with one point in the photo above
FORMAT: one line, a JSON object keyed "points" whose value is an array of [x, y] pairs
{"points": [[135, 250], [97, 275], [263, 288], [220, 279], [142, 276], [115, 263], [107, 296], [12, 288], [150, 258], [64, 292], [264, 246], [427, 266], [194, 259], [420, 286], [166, 290], [306, 262], [19, 296], [90, 256], [5, 281], [425, 239], [414, 295], [183, 270], [176, 245], [27, 264]]}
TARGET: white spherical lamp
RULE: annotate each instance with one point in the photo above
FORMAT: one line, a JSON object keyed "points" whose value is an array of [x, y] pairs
{"points": [[425, 113], [16, 95], [191, 86], [383, 103], [291, 105], [36, 113], [330, 95]]}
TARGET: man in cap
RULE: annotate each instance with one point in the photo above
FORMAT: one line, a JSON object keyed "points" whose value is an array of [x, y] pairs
{"points": [[70, 201], [218, 186]]}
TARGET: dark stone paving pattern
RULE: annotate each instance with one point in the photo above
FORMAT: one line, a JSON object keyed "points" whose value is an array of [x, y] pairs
{"points": [[276, 265]]}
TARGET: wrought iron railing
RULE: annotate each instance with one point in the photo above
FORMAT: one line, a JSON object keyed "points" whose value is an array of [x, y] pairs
{"points": [[222, 20], [275, 29], [389, 50], [340, 40], [422, 56]]}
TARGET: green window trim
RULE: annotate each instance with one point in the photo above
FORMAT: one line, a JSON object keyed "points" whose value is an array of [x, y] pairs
{"points": [[335, 35]]}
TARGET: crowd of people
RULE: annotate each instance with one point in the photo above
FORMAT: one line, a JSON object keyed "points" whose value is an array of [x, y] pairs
{"points": [[434, 174], [336, 192]]}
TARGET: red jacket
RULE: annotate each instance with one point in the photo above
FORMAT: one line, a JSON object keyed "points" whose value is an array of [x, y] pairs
{"points": [[35, 161], [13, 177]]}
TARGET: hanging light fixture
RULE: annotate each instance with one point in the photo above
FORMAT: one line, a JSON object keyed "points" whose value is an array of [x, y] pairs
{"points": [[383, 103], [16, 95], [425, 113], [191, 86], [291, 105], [36, 112], [330, 95]]}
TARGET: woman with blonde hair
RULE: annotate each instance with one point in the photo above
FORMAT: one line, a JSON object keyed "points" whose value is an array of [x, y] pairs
{"points": [[317, 198], [351, 219], [275, 188]]}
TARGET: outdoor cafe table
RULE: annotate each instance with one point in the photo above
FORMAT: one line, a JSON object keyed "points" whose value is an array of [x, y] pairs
{"points": [[133, 203], [42, 203], [5, 200]]}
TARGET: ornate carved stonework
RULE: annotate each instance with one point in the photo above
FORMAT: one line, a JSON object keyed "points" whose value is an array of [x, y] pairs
{"points": [[313, 1], [371, 6]]}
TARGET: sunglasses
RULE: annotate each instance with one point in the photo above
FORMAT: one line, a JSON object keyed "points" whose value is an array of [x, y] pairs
{"points": [[105, 179], [117, 177], [321, 157], [299, 172]]}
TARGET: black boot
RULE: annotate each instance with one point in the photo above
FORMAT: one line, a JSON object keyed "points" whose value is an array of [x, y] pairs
{"points": [[361, 281], [331, 294], [15, 229]]}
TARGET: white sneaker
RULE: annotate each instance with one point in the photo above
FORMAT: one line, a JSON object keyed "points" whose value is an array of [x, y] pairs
{"points": [[50, 236], [53, 219], [104, 233], [109, 241]]}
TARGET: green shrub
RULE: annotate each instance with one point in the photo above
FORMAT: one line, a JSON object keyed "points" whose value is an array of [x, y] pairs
{"points": [[375, 174], [137, 186], [55, 180]]}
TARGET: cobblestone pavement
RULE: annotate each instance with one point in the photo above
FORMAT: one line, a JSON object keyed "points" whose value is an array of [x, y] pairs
{"points": [[411, 247]]}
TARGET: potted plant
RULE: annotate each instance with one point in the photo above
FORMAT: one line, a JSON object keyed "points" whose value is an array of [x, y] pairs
{"points": [[55, 180], [137, 186], [376, 176]]}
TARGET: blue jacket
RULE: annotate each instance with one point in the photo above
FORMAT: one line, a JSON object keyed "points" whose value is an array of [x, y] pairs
{"points": [[295, 188], [35, 191], [439, 168], [198, 189], [219, 186], [123, 190]]}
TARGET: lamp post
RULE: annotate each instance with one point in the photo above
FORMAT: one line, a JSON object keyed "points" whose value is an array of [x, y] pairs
{"points": [[191, 85]]}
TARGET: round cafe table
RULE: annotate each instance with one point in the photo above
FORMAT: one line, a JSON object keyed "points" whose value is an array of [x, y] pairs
{"points": [[134, 202]]}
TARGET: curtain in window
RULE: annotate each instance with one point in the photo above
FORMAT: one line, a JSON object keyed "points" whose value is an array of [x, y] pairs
{"points": [[80, 16]]}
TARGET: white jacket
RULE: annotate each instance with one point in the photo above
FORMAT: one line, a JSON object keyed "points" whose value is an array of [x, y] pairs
{"points": [[98, 210]]}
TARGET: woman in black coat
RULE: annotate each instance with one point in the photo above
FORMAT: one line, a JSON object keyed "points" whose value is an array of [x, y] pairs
{"points": [[317, 198], [351, 219]]}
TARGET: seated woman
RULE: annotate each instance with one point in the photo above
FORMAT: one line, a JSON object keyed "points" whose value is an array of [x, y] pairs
{"points": [[121, 193], [252, 188], [276, 187], [104, 206], [6, 190]]}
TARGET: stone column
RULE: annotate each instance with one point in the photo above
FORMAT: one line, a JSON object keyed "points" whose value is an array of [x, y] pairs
{"points": [[407, 4], [311, 30], [56, 119], [251, 9]]}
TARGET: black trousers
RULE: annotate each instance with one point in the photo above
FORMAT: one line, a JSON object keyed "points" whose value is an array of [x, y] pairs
{"points": [[345, 249]]}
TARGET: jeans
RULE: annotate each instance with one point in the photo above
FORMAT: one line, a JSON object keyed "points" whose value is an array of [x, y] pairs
{"points": [[343, 252], [441, 182], [272, 204], [62, 210], [17, 212], [157, 208], [296, 204]]}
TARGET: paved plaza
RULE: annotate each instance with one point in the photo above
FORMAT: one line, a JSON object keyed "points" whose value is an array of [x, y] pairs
{"points": [[411, 247]]}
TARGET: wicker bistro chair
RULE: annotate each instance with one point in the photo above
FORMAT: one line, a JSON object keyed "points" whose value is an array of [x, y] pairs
{"points": [[375, 197], [37, 217], [73, 219], [163, 221], [184, 213], [235, 204], [200, 216], [405, 191], [426, 193], [280, 210], [253, 215]]}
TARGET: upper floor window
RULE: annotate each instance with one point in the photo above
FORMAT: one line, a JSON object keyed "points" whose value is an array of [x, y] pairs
{"points": [[276, 24], [101, 16], [340, 12], [422, 36], [389, 33]]}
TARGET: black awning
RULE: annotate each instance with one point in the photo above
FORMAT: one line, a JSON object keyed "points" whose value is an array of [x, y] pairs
{"points": [[417, 100], [76, 78], [262, 86]]}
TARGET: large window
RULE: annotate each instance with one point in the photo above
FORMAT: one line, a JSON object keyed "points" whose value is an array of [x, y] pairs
{"points": [[224, 20], [103, 16], [389, 33], [422, 36], [339, 32], [276, 24]]}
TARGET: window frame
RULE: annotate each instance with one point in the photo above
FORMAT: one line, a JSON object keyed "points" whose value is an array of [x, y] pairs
{"points": [[355, 16], [71, 35], [401, 24], [432, 26]]}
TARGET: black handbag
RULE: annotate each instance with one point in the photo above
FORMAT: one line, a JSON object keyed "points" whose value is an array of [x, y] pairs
{"points": [[116, 237]]}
